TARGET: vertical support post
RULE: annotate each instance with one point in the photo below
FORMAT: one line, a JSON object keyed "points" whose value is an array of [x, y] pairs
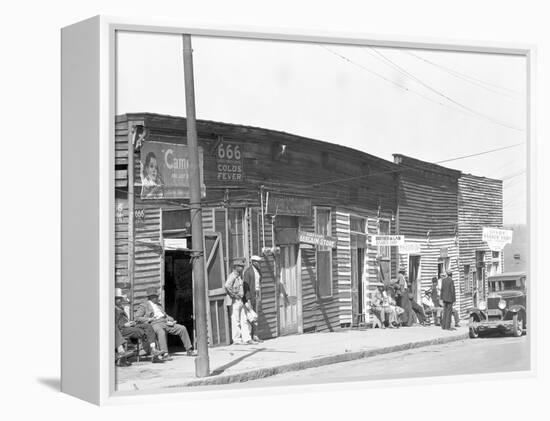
{"points": [[131, 246], [202, 365]]}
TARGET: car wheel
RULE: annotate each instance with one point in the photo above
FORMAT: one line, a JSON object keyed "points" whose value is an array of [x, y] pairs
{"points": [[473, 329], [517, 326]]}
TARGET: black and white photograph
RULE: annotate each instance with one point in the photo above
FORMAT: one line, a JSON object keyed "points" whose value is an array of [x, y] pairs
{"points": [[293, 213]]}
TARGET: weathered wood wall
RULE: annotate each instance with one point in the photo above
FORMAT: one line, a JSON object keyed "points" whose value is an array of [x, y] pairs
{"points": [[302, 169], [341, 231], [427, 199], [479, 205]]}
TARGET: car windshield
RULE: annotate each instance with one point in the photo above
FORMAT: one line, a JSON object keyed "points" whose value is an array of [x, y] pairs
{"points": [[508, 285]]}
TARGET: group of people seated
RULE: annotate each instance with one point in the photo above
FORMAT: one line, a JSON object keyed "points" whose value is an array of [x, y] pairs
{"points": [[395, 305], [151, 325]]}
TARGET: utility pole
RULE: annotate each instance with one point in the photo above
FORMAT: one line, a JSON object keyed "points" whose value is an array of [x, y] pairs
{"points": [[202, 364]]}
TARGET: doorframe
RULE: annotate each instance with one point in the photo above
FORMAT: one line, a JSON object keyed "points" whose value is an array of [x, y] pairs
{"points": [[299, 294], [206, 260]]}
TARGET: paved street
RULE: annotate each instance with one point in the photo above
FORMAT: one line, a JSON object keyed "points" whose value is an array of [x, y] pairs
{"points": [[471, 356]]}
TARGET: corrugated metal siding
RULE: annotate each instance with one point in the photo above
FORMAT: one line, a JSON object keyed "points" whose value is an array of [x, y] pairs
{"points": [[148, 254], [479, 205], [267, 310], [343, 270], [121, 244], [310, 305], [429, 258], [208, 220], [370, 273]]}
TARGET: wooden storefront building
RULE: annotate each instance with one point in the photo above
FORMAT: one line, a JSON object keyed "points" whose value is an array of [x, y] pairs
{"points": [[480, 204], [443, 212], [305, 206], [428, 218]]}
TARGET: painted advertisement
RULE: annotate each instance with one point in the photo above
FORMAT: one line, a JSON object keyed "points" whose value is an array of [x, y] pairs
{"points": [[164, 171]]}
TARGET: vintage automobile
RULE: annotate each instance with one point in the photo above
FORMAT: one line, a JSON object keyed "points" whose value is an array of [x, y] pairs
{"points": [[504, 310]]}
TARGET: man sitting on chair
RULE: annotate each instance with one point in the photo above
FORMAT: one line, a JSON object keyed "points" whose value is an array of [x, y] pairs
{"points": [[132, 330], [383, 304], [151, 312]]}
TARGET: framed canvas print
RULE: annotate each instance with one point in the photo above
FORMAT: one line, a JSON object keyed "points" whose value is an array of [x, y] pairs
{"points": [[256, 209]]}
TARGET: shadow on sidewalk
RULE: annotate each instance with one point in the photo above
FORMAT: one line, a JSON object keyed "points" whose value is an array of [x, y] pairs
{"points": [[236, 361]]}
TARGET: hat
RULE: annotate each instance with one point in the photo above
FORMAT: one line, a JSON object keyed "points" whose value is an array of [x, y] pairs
{"points": [[118, 293], [256, 258], [238, 262], [152, 291]]}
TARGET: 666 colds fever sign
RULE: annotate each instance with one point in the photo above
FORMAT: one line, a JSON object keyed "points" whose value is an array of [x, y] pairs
{"points": [[229, 163]]}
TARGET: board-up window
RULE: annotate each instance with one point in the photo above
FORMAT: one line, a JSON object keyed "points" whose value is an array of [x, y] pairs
{"points": [[384, 229], [255, 232], [324, 253], [236, 233], [467, 279], [357, 224]]}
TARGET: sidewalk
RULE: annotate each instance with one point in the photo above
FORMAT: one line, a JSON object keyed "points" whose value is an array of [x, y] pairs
{"points": [[239, 363]]}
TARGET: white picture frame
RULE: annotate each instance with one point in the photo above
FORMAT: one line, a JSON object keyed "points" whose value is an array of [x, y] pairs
{"points": [[88, 211]]}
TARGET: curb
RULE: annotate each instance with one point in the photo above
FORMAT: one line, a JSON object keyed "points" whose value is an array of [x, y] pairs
{"points": [[318, 362]]}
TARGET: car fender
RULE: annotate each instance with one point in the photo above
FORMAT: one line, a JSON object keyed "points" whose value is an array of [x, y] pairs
{"points": [[476, 312], [517, 308]]}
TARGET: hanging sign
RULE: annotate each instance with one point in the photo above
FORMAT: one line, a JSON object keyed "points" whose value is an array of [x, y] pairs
{"points": [[316, 239], [280, 204], [165, 171], [229, 162], [409, 248], [387, 240], [175, 243], [496, 238]]}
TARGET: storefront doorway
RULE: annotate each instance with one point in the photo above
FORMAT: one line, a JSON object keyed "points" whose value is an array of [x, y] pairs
{"points": [[178, 289], [357, 260], [289, 291], [414, 267]]}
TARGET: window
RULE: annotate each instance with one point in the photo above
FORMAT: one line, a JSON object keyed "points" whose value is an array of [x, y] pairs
{"points": [[235, 230], [230, 223], [384, 229], [443, 265], [323, 226], [467, 279], [357, 224], [255, 232]]}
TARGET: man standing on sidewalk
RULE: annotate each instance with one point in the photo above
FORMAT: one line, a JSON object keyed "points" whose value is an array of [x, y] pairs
{"points": [[448, 297], [234, 287], [251, 278]]}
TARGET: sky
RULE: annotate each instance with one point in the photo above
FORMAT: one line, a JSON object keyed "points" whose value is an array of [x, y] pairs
{"points": [[431, 105]]}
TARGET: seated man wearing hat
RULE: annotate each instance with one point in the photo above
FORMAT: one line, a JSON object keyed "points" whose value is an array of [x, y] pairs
{"points": [[251, 283], [383, 304], [151, 312], [131, 330], [234, 287]]}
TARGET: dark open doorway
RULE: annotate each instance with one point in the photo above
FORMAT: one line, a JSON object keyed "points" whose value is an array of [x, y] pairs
{"points": [[178, 290], [414, 267]]}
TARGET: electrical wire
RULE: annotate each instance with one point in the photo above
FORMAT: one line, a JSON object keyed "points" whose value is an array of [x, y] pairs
{"points": [[468, 78], [426, 166], [442, 94]]}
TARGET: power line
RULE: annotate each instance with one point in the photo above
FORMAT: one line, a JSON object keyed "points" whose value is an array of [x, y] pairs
{"points": [[442, 94], [480, 153], [426, 166], [468, 78], [514, 175]]}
